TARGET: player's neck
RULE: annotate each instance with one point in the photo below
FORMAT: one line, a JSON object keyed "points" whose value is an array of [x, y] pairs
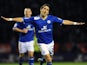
{"points": [[27, 16], [43, 17]]}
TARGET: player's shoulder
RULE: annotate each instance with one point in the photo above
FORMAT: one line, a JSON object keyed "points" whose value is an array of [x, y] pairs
{"points": [[51, 16], [28, 17], [18, 23]]}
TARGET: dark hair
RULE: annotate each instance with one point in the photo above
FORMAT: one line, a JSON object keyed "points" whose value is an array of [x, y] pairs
{"points": [[45, 5]]}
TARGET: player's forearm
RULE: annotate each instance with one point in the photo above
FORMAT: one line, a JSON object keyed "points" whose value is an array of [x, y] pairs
{"points": [[17, 19], [67, 22], [18, 30]]}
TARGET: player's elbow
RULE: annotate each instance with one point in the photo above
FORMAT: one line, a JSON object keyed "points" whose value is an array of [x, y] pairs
{"points": [[14, 29]]}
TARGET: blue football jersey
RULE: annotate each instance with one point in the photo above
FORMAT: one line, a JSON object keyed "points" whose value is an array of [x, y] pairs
{"points": [[25, 37], [44, 27]]}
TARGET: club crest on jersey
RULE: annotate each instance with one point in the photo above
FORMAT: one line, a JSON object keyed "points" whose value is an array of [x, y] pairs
{"points": [[48, 21]]}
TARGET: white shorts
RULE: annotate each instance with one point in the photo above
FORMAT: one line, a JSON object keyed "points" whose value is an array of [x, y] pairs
{"points": [[47, 48], [26, 46]]}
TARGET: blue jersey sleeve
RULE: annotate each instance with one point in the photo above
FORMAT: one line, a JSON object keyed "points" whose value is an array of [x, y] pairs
{"points": [[16, 25], [56, 19], [28, 20]]}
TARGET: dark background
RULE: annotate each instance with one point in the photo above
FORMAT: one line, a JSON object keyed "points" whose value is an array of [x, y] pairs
{"points": [[70, 41]]}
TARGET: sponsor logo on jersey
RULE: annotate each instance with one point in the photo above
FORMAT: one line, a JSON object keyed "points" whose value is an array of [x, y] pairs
{"points": [[48, 21], [30, 28], [44, 29]]}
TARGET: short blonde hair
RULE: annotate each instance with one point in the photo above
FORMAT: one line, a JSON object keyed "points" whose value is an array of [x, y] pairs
{"points": [[26, 9]]}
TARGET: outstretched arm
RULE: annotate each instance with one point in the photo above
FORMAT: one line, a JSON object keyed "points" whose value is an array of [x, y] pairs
{"points": [[17, 19], [68, 22]]}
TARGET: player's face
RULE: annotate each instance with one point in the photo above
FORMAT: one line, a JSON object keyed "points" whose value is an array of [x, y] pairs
{"points": [[44, 11], [27, 12]]}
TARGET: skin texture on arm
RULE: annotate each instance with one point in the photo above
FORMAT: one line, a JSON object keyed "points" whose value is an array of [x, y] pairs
{"points": [[68, 22], [17, 19]]}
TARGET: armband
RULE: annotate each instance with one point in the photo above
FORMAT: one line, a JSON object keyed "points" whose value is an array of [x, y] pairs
{"points": [[10, 19], [75, 23]]}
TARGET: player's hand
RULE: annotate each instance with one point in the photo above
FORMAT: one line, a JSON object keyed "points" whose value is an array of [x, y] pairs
{"points": [[80, 23], [25, 30], [7, 19]]}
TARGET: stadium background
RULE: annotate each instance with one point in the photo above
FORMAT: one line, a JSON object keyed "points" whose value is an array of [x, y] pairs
{"points": [[70, 41]]}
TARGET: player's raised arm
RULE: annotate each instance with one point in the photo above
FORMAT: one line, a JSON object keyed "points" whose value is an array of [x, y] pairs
{"points": [[68, 22], [17, 19]]}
